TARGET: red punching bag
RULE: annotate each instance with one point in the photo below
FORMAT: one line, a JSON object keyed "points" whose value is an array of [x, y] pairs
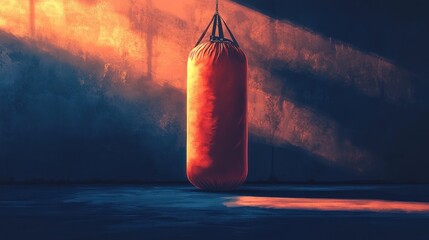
{"points": [[217, 112]]}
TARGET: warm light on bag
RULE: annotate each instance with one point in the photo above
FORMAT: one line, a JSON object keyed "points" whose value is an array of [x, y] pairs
{"points": [[217, 112]]}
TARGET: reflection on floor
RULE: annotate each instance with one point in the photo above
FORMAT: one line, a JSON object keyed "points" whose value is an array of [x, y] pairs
{"points": [[182, 212], [326, 204]]}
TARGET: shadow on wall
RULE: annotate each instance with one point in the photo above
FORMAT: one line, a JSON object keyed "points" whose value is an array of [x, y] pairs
{"points": [[388, 28], [391, 132], [407, 158], [64, 118], [319, 109], [75, 124]]}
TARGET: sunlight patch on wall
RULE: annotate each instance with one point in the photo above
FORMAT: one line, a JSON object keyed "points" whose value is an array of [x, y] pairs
{"points": [[148, 40]]}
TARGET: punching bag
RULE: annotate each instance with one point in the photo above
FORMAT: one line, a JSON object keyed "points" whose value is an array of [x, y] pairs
{"points": [[217, 111]]}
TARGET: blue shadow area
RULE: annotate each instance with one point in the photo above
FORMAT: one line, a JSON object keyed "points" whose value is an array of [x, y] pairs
{"points": [[181, 212]]}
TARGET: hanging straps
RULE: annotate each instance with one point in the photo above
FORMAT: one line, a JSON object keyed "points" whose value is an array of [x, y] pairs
{"points": [[205, 31], [217, 21], [230, 33]]}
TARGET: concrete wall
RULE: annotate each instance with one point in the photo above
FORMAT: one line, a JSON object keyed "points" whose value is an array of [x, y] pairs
{"points": [[95, 90]]}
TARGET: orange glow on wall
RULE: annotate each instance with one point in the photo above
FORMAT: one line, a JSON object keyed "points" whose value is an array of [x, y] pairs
{"points": [[149, 40], [32, 18], [329, 204]]}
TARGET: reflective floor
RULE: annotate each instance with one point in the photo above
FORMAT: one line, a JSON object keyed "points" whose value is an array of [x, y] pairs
{"points": [[182, 212]]}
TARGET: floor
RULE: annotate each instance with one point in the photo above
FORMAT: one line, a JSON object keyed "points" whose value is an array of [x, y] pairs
{"points": [[182, 212]]}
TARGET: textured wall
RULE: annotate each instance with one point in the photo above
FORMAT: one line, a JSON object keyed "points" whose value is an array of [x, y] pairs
{"points": [[95, 90]]}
